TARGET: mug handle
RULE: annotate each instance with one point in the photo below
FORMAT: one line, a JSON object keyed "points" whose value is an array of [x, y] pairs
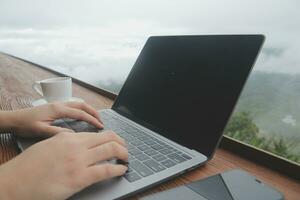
{"points": [[36, 86]]}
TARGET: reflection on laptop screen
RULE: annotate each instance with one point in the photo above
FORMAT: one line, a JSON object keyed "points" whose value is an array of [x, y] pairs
{"points": [[185, 87]]}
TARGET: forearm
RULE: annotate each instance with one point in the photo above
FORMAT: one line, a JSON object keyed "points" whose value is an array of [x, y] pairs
{"points": [[3, 187], [6, 185], [7, 121]]}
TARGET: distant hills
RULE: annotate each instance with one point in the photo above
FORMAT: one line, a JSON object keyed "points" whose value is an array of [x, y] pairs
{"points": [[273, 101]]}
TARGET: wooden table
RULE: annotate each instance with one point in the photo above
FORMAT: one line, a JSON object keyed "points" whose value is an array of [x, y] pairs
{"points": [[16, 78]]}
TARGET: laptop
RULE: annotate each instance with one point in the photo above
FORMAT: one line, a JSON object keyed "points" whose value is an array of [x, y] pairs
{"points": [[173, 107]]}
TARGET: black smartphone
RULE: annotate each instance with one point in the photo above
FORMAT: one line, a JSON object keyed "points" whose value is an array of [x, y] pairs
{"points": [[230, 185]]}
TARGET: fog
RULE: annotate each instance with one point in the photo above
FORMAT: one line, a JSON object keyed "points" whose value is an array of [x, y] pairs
{"points": [[98, 41]]}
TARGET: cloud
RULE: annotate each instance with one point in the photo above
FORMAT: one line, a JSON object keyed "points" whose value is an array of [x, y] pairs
{"points": [[94, 53], [217, 15], [100, 40]]}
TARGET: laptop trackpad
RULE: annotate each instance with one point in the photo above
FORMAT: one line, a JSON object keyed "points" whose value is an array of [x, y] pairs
{"points": [[178, 193]]}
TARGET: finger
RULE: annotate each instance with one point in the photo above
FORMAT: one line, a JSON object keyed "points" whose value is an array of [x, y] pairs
{"points": [[105, 152], [80, 115], [85, 107], [91, 140], [53, 130], [102, 172]]}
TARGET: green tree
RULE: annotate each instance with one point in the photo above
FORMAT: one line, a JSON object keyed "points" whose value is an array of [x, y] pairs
{"points": [[242, 127], [282, 148]]}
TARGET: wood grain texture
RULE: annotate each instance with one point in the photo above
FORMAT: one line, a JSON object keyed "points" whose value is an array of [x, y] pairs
{"points": [[16, 78]]}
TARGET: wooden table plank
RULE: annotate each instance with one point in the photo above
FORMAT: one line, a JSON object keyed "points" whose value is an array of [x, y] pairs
{"points": [[16, 78]]}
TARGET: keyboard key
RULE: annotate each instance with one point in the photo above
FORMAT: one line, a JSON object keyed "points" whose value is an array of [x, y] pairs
{"points": [[130, 146], [104, 117], [161, 143], [171, 148], [130, 158], [156, 140], [140, 168], [155, 166], [118, 131], [125, 127], [136, 142], [135, 152], [142, 157], [168, 163], [150, 152], [143, 147], [175, 157], [144, 138], [176, 151], [137, 134], [131, 177], [186, 156], [157, 146], [165, 151], [159, 157], [114, 117], [134, 132], [150, 142], [111, 125], [127, 137]]}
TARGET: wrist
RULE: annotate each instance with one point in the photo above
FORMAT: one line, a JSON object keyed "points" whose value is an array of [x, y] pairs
{"points": [[8, 121]]}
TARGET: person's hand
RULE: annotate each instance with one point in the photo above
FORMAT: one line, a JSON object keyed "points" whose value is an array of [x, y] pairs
{"points": [[62, 165], [37, 121]]}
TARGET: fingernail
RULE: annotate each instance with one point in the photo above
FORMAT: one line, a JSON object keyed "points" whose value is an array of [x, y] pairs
{"points": [[126, 169], [100, 125]]}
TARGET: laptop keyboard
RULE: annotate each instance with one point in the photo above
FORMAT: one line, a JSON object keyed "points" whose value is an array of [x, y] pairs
{"points": [[147, 154]]}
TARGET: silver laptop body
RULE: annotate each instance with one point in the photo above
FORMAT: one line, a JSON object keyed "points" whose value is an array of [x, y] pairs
{"points": [[177, 100]]}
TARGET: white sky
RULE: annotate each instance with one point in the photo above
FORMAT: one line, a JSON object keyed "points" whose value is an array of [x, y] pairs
{"points": [[100, 40]]}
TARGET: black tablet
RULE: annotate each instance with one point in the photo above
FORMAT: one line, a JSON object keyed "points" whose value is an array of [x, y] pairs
{"points": [[231, 185]]}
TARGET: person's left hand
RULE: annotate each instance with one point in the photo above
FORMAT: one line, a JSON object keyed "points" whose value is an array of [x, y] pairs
{"points": [[58, 167], [37, 121]]}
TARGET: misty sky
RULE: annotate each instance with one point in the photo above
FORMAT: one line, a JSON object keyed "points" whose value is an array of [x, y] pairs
{"points": [[100, 40]]}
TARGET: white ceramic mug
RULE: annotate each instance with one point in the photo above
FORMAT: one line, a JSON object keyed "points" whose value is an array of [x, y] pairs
{"points": [[54, 89]]}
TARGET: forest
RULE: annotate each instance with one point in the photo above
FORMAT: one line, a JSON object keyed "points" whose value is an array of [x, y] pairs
{"points": [[267, 114], [242, 127]]}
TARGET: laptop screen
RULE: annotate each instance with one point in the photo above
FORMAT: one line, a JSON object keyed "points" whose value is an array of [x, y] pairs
{"points": [[185, 87]]}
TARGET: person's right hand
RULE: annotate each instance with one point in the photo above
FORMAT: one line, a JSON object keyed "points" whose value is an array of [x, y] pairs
{"points": [[60, 166], [37, 121]]}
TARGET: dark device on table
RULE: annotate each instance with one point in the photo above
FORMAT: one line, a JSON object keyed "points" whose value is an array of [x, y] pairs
{"points": [[173, 107], [230, 185]]}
